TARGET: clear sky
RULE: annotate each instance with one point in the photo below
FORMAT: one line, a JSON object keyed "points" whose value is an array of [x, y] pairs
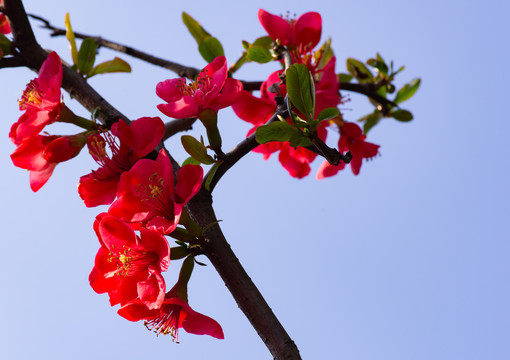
{"points": [[408, 260]]}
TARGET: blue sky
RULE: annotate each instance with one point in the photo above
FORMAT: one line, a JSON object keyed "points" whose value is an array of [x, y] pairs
{"points": [[408, 260]]}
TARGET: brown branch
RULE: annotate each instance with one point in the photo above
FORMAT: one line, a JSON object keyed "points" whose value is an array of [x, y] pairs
{"points": [[369, 90], [178, 125], [246, 294]]}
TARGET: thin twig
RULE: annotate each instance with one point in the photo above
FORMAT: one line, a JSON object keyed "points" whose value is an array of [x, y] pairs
{"points": [[181, 70], [178, 125]]}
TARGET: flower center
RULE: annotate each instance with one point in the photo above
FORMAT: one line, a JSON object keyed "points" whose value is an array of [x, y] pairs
{"points": [[167, 322], [154, 195], [199, 88], [31, 96], [129, 261]]}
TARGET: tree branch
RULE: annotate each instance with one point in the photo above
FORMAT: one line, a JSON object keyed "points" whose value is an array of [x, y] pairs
{"points": [[246, 294], [176, 126]]}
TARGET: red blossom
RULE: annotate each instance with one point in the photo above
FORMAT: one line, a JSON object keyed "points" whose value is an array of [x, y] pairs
{"points": [[175, 313], [40, 155], [40, 101], [211, 91], [305, 32], [147, 193], [134, 142], [129, 266], [353, 140], [5, 28]]}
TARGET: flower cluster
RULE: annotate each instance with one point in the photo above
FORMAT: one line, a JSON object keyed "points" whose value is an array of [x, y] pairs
{"points": [[300, 37], [42, 106], [147, 191]]}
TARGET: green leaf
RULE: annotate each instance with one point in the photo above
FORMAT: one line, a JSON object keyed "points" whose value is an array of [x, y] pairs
{"points": [[196, 30], [407, 91], [325, 53], [210, 48], [328, 113], [71, 39], [275, 131], [298, 139], [111, 66], [264, 41], [212, 172], [196, 149], [259, 54], [237, 65], [300, 89], [370, 121], [379, 64], [182, 235], [191, 160], [402, 115], [345, 78], [359, 71], [87, 55], [5, 45]]}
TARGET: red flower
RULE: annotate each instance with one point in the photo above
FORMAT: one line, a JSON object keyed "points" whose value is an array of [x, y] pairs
{"points": [[135, 141], [41, 153], [128, 266], [147, 193], [40, 100], [353, 140], [211, 91], [175, 313], [5, 28], [305, 32]]}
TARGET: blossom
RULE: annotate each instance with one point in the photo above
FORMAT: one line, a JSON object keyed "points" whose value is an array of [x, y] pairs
{"points": [[40, 155], [134, 142], [305, 32], [129, 266], [211, 91], [5, 28], [147, 193], [353, 140], [40, 101], [175, 313]]}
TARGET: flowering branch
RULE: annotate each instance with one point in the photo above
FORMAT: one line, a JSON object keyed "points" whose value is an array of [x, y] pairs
{"points": [[216, 248]]}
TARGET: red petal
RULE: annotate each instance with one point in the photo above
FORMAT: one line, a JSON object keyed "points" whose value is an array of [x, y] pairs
{"points": [[276, 27], [289, 161], [327, 170], [252, 109], [39, 178], [307, 29]]}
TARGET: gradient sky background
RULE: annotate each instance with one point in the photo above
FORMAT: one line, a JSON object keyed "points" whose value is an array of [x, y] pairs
{"points": [[408, 260]]}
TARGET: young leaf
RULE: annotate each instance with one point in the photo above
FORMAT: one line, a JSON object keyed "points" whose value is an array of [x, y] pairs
{"points": [[345, 78], [210, 48], [111, 66], [359, 71], [264, 41], [259, 54], [87, 55], [407, 91], [196, 149], [212, 172], [402, 115], [275, 131], [71, 39], [370, 121], [298, 139], [5, 45], [300, 89], [191, 160], [196, 30], [328, 113]]}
